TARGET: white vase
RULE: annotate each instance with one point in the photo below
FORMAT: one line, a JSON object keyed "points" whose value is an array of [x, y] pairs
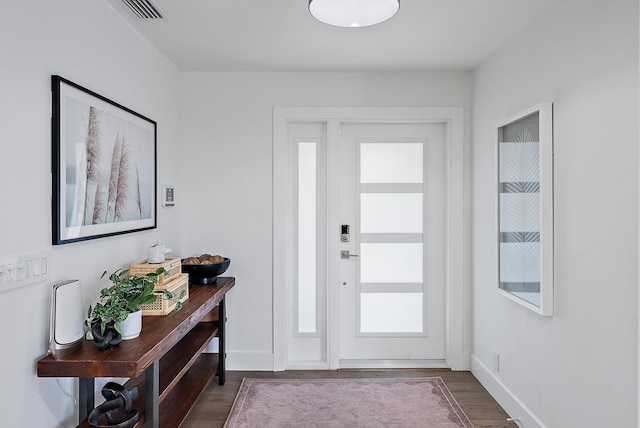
{"points": [[132, 326]]}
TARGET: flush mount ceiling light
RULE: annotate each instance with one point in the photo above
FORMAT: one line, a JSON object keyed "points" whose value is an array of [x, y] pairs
{"points": [[353, 13]]}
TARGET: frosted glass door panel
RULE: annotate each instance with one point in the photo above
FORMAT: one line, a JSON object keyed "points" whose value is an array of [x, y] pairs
{"points": [[391, 313], [307, 233], [391, 263], [391, 213], [391, 163]]}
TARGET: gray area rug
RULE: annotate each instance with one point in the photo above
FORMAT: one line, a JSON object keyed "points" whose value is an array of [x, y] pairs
{"points": [[342, 403]]}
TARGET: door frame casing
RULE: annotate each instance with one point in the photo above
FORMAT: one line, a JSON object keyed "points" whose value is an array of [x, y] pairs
{"points": [[456, 310]]}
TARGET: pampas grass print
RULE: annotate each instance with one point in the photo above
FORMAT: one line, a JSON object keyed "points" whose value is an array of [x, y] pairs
{"points": [[118, 180], [107, 166], [93, 155]]}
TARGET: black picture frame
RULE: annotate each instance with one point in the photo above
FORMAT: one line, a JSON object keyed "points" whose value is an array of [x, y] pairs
{"points": [[104, 166]]}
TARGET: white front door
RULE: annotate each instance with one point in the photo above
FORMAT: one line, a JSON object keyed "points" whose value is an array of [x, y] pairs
{"points": [[392, 199], [395, 177]]}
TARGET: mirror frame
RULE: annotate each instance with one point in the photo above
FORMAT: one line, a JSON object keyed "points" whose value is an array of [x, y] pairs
{"points": [[521, 291]]}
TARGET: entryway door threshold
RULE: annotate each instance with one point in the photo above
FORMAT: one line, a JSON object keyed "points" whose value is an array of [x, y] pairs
{"points": [[393, 364]]}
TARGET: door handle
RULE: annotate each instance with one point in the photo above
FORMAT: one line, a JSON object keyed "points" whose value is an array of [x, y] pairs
{"points": [[344, 254]]}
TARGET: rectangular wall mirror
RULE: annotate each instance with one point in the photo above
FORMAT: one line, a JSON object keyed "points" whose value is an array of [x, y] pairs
{"points": [[525, 208]]}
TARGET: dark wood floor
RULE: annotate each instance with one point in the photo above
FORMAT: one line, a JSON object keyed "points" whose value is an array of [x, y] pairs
{"points": [[214, 405]]}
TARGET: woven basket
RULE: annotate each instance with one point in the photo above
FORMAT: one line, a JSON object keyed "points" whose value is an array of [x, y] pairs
{"points": [[172, 268], [162, 305]]}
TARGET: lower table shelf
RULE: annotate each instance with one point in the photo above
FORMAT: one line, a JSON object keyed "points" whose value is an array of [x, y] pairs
{"points": [[179, 402], [176, 363]]}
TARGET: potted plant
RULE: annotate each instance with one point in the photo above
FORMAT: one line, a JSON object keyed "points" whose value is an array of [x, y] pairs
{"points": [[119, 307]]}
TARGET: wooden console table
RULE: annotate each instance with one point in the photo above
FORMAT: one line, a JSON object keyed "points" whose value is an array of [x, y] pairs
{"points": [[169, 378]]}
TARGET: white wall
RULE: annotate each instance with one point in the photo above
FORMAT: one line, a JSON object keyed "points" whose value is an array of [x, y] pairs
{"points": [[227, 137], [582, 55], [90, 44], [579, 367]]}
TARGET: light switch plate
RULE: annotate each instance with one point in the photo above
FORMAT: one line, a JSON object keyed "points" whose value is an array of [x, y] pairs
{"points": [[18, 271]]}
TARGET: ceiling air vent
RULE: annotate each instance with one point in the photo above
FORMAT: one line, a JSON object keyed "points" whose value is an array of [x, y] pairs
{"points": [[143, 9]]}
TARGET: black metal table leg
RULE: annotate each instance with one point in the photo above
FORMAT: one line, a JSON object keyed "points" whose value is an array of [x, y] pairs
{"points": [[152, 395], [86, 397], [222, 351]]}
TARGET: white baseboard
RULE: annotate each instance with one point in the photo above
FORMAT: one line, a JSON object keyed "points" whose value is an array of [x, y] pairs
{"points": [[250, 361], [264, 361], [393, 364], [509, 402], [306, 365]]}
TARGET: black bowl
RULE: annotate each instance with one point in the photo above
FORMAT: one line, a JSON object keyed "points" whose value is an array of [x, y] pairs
{"points": [[205, 274]]}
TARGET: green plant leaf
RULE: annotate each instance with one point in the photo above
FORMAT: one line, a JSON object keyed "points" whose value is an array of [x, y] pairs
{"points": [[178, 306], [124, 296]]}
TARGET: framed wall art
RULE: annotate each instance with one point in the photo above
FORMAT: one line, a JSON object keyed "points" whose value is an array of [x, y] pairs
{"points": [[525, 208], [103, 164]]}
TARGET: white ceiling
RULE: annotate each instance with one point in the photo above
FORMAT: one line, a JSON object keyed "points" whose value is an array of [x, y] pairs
{"points": [[281, 35]]}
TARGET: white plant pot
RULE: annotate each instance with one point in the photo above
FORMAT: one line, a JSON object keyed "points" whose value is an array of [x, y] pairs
{"points": [[132, 326]]}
